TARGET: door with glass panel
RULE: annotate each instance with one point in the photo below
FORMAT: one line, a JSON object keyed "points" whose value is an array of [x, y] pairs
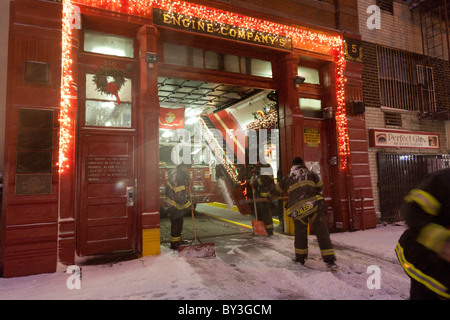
{"points": [[106, 161]]}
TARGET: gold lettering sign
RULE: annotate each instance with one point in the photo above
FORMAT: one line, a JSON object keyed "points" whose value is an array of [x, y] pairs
{"points": [[353, 50], [194, 24]]}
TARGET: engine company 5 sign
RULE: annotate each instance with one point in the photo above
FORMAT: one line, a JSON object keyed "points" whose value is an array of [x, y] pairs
{"points": [[193, 24], [383, 138]]}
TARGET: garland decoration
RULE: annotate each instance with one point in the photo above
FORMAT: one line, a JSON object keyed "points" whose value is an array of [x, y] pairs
{"points": [[103, 85]]}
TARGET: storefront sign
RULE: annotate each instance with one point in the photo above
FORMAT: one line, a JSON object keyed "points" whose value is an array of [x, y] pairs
{"points": [[194, 24], [311, 137], [384, 138]]}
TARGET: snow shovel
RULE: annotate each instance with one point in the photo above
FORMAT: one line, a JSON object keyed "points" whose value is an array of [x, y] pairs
{"points": [[258, 226], [198, 250]]}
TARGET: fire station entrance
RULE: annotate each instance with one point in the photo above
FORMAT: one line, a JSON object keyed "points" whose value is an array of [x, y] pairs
{"points": [[107, 155], [216, 120]]}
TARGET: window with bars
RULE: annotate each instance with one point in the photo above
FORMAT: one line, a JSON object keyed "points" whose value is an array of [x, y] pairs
{"points": [[392, 119], [404, 83], [386, 5]]}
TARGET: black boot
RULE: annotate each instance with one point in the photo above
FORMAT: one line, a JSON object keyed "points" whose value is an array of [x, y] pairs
{"points": [[300, 259]]}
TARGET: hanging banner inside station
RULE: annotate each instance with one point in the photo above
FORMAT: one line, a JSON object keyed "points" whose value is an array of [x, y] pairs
{"points": [[171, 118], [194, 24]]}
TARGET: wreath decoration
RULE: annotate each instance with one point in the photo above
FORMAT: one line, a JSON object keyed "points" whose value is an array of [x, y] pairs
{"points": [[103, 85]]}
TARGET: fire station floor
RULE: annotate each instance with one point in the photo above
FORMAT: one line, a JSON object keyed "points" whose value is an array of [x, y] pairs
{"points": [[212, 221]]}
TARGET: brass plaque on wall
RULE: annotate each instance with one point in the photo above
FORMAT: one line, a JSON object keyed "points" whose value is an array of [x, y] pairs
{"points": [[33, 184]]}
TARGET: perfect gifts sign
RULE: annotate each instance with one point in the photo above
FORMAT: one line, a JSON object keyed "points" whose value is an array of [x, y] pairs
{"points": [[383, 138], [171, 118]]}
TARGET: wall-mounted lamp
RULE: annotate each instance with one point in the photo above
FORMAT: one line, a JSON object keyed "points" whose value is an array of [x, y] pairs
{"points": [[298, 80], [151, 58]]}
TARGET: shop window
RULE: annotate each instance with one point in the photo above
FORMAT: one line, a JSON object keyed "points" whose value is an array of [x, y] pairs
{"points": [[311, 108], [108, 110], [108, 44], [311, 75]]}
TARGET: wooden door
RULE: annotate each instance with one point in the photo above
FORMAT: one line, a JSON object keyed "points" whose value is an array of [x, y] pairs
{"points": [[107, 160], [315, 146], [107, 216]]}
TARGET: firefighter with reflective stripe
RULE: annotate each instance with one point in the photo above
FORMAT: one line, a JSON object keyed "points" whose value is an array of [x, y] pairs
{"points": [[306, 204], [262, 184], [177, 201], [424, 248]]}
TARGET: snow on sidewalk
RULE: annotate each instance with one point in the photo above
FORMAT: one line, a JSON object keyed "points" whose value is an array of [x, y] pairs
{"points": [[257, 268]]}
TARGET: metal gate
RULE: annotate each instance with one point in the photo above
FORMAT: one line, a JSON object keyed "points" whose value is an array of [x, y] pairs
{"points": [[398, 174]]}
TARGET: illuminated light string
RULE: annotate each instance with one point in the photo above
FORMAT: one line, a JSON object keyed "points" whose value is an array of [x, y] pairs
{"points": [[302, 38], [65, 137]]}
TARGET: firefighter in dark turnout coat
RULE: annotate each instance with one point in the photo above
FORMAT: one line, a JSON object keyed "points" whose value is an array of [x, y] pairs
{"points": [[177, 201], [262, 184], [424, 249], [306, 204]]}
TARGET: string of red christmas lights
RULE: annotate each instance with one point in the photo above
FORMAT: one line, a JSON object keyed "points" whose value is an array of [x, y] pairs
{"points": [[65, 121], [301, 38]]}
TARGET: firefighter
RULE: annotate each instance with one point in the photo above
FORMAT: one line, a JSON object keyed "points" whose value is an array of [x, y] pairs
{"points": [[177, 201], [306, 204], [262, 184], [424, 248]]}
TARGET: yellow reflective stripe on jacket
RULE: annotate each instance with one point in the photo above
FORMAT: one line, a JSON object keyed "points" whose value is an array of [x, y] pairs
{"points": [[419, 276], [305, 204], [176, 189], [176, 205], [319, 184], [301, 184], [433, 236], [426, 201]]}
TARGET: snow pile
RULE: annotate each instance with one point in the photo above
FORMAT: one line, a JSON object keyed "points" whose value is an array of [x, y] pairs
{"points": [[379, 242]]}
